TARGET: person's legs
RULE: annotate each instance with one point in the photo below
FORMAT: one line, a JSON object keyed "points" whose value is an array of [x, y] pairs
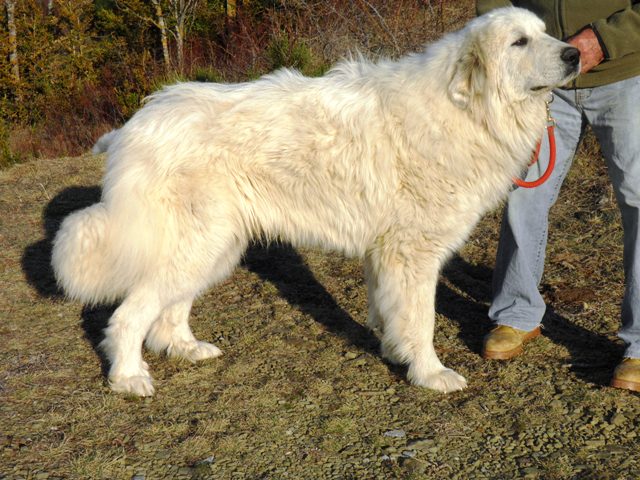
{"points": [[516, 300], [614, 115]]}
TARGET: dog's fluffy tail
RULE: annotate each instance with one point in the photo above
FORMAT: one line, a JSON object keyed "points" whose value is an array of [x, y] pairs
{"points": [[102, 145], [81, 257]]}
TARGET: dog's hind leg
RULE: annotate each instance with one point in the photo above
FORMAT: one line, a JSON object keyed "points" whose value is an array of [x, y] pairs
{"points": [[407, 276], [374, 319], [171, 334], [123, 342]]}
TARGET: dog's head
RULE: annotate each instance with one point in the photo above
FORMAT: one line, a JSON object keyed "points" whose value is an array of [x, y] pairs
{"points": [[508, 52]]}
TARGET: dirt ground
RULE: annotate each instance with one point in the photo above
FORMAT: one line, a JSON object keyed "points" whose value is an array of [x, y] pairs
{"points": [[301, 391]]}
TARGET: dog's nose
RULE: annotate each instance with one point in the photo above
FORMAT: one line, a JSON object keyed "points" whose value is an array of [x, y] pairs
{"points": [[570, 56]]}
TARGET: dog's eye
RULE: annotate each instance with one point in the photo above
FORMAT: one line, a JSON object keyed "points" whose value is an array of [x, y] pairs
{"points": [[521, 42]]}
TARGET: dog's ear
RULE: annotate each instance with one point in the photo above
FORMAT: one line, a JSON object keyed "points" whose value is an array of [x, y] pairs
{"points": [[468, 76]]}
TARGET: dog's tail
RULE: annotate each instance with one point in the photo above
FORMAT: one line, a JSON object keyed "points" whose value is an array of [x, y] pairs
{"points": [[102, 145], [82, 260]]}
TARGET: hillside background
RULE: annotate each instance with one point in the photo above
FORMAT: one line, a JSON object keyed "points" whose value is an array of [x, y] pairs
{"points": [[72, 69]]}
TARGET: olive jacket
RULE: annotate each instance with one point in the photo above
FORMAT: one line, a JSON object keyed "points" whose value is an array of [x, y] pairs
{"points": [[616, 23]]}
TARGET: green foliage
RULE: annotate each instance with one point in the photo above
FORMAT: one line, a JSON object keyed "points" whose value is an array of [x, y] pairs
{"points": [[283, 52], [129, 101], [87, 65], [207, 74]]}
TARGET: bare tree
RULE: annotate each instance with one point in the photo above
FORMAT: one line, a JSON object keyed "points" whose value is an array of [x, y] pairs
{"points": [[179, 17], [233, 8], [378, 20], [230, 8], [163, 34], [13, 41], [133, 8], [183, 16]]}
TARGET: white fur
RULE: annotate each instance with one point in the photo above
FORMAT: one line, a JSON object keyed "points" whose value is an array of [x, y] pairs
{"points": [[103, 142], [393, 162]]}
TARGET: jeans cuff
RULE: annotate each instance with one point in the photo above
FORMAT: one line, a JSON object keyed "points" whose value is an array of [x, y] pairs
{"points": [[525, 326]]}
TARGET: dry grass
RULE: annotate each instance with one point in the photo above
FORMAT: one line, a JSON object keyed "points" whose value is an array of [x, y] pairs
{"points": [[301, 391]]}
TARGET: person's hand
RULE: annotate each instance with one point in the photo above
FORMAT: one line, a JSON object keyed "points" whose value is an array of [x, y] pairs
{"points": [[591, 53]]}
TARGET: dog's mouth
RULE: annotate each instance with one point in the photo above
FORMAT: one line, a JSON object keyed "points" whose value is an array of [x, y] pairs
{"points": [[571, 72]]}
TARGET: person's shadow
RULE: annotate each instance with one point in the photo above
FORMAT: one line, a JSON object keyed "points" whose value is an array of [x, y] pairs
{"points": [[593, 356]]}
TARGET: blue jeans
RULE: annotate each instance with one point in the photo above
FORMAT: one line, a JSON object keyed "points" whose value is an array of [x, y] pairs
{"points": [[613, 111]]}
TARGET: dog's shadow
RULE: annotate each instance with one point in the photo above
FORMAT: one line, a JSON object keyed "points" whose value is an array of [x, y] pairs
{"points": [[36, 261], [282, 266], [593, 356]]}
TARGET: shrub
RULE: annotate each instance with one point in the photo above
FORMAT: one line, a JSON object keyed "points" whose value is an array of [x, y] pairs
{"points": [[207, 74], [87, 66], [8, 156]]}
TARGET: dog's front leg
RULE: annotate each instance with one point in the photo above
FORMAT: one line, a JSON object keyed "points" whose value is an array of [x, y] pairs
{"points": [[404, 294]]}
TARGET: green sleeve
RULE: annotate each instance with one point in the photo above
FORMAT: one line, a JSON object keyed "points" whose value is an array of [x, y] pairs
{"points": [[483, 6], [619, 34]]}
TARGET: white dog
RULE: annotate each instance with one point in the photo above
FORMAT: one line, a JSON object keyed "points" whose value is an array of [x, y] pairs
{"points": [[393, 162]]}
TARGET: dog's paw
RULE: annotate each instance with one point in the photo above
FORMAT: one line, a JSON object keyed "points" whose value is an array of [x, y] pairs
{"points": [[444, 380], [140, 385], [194, 351]]}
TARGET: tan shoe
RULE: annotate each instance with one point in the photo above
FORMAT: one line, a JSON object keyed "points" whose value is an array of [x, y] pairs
{"points": [[504, 342], [627, 375]]}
